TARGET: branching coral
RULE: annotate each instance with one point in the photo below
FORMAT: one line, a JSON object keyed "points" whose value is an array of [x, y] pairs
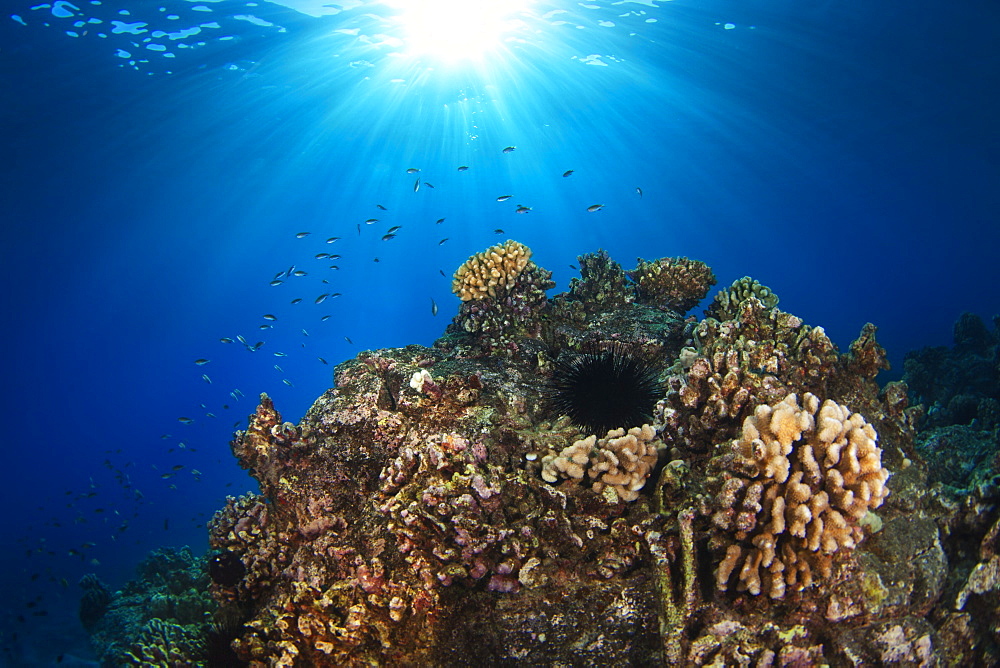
{"points": [[492, 272], [675, 282], [619, 463], [802, 476]]}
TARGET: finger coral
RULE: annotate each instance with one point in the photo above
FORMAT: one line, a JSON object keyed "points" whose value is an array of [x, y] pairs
{"points": [[491, 272], [618, 464], [800, 479]]}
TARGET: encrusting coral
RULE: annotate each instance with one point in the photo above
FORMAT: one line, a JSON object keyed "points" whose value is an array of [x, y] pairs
{"points": [[799, 481], [619, 463], [492, 272]]}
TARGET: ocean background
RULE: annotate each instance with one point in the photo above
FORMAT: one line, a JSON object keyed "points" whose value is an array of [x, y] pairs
{"points": [[156, 179]]}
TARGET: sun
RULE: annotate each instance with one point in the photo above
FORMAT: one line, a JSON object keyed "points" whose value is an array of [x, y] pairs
{"points": [[457, 30]]}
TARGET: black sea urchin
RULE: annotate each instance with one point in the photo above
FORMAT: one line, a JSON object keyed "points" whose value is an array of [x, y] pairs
{"points": [[605, 390]]}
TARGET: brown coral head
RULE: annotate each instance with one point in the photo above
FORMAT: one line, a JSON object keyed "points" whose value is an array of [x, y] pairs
{"points": [[491, 272]]}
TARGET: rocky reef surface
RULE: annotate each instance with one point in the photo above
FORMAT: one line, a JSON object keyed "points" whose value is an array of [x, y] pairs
{"points": [[432, 508]]}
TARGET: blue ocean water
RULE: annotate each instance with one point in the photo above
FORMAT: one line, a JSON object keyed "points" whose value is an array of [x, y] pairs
{"points": [[163, 160]]}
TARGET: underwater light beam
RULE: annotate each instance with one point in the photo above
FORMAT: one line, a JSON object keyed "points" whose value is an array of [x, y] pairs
{"points": [[456, 30]]}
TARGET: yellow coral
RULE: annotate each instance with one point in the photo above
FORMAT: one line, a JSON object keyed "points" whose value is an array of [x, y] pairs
{"points": [[810, 472], [491, 272]]}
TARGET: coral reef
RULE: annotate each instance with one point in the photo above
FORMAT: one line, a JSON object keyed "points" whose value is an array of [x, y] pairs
{"points": [[619, 464], [676, 283], [430, 510], [492, 272], [726, 304], [160, 618], [798, 484], [503, 298]]}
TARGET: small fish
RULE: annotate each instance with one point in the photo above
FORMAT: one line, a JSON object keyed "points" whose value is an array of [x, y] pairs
{"points": [[393, 229], [177, 467], [568, 172], [305, 333], [595, 207], [498, 231], [429, 185], [434, 307], [268, 316], [280, 355], [333, 266], [299, 272], [286, 382], [381, 207], [297, 300], [205, 378], [441, 271], [276, 282], [322, 256], [463, 168], [348, 339], [279, 369], [638, 190], [332, 239], [574, 267], [185, 420], [334, 295], [322, 297], [322, 360], [279, 274], [504, 198], [522, 209], [443, 240], [412, 170], [239, 337], [359, 229], [325, 318], [202, 361], [439, 221], [334, 257], [371, 221], [510, 149], [265, 326], [255, 347], [302, 235], [387, 237], [225, 339], [375, 259], [416, 185]]}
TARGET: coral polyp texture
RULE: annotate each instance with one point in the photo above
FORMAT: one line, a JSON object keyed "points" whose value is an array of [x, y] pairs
{"points": [[726, 303], [618, 464], [800, 480], [432, 508], [677, 283], [492, 272]]}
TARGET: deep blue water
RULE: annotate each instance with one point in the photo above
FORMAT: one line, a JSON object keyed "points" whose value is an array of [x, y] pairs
{"points": [[844, 154]]}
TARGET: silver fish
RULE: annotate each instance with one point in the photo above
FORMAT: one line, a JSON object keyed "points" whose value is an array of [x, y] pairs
{"points": [[595, 207], [504, 198], [302, 235], [434, 307], [510, 149]]}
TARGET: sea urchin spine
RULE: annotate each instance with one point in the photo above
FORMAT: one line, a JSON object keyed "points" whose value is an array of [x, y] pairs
{"points": [[605, 390]]}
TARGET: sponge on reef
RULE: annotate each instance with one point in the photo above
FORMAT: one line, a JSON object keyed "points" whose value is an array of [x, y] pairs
{"points": [[801, 477], [490, 272]]}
